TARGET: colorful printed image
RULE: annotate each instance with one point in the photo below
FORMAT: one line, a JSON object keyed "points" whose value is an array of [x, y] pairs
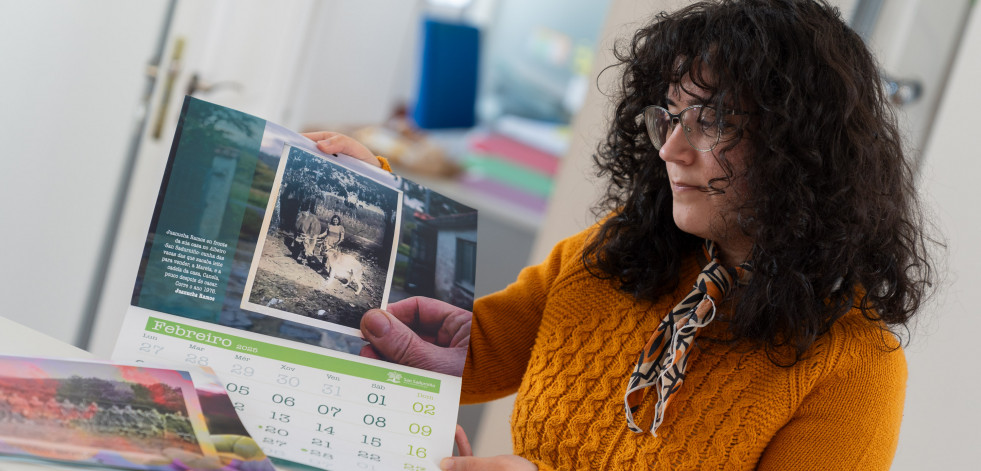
{"points": [[326, 254], [236, 449], [121, 416], [100, 414]]}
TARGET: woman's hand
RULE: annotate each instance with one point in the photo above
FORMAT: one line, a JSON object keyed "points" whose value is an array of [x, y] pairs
{"points": [[337, 143], [500, 462], [419, 332], [467, 462]]}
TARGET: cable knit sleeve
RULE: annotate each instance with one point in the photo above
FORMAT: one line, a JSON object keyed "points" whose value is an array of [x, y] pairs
{"points": [[851, 404], [505, 326]]}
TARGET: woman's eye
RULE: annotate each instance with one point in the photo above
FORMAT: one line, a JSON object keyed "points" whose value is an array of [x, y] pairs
{"points": [[709, 125]]}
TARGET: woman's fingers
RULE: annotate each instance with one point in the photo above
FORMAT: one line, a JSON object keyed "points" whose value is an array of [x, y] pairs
{"points": [[336, 143], [495, 463], [462, 442]]}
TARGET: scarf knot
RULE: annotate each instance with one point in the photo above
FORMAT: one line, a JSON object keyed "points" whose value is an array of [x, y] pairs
{"points": [[664, 359]]}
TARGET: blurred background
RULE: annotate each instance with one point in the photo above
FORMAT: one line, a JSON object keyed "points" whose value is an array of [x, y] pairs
{"points": [[496, 103]]}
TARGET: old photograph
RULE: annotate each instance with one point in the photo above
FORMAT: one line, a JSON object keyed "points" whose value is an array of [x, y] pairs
{"points": [[326, 251]]}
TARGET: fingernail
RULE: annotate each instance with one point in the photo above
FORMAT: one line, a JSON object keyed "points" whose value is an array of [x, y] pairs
{"points": [[446, 464], [377, 323]]}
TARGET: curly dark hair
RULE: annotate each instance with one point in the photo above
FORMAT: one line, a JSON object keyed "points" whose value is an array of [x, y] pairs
{"points": [[832, 210]]}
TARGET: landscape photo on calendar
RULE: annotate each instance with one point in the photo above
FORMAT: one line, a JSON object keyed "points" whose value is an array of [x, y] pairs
{"points": [[326, 253], [220, 184], [98, 413]]}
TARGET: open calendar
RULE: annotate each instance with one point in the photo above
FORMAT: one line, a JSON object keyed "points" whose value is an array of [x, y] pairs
{"points": [[262, 256]]}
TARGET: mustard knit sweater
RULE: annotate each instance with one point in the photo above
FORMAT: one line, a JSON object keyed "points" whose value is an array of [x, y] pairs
{"points": [[567, 342]]}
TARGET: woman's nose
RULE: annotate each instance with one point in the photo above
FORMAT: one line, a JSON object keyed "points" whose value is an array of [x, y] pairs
{"points": [[676, 148]]}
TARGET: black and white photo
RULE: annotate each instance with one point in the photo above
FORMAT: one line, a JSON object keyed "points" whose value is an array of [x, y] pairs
{"points": [[326, 251]]}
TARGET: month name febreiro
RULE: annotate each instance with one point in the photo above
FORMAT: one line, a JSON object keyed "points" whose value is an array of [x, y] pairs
{"points": [[179, 331]]}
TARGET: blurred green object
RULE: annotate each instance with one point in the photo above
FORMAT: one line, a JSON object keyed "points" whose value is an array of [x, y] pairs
{"points": [[508, 173]]}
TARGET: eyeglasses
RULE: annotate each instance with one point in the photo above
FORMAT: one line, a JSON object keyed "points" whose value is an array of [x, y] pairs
{"points": [[704, 126]]}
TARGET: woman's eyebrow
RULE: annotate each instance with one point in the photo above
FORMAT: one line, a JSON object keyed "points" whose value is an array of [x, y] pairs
{"points": [[695, 99], [689, 101]]}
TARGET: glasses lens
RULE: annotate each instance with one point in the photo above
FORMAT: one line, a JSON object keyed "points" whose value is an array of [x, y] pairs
{"points": [[701, 127], [658, 125], [709, 123]]}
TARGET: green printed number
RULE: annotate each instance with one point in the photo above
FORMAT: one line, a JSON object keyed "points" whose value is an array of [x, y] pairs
{"points": [[423, 430], [418, 452]]}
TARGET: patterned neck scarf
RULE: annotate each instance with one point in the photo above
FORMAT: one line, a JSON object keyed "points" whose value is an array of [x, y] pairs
{"points": [[663, 361]]}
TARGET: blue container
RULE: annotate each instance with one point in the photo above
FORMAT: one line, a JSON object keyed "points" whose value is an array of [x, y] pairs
{"points": [[448, 75]]}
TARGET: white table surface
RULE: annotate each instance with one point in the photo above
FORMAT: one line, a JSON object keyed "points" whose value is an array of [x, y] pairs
{"points": [[16, 339]]}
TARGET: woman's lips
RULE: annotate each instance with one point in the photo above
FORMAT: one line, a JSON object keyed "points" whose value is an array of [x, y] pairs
{"points": [[683, 186]]}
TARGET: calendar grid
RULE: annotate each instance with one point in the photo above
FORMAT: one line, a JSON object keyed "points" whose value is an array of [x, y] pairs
{"points": [[309, 412]]}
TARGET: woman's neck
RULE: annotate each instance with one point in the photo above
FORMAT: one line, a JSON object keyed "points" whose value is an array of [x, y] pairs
{"points": [[734, 252]]}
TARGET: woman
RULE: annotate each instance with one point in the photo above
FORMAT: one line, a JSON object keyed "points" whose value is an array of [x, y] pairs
{"points": [[735, 307], [335, 233]]}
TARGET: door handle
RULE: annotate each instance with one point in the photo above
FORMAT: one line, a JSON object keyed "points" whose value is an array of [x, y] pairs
{"points": [[902, 91], [199, 85], [173, 71]]}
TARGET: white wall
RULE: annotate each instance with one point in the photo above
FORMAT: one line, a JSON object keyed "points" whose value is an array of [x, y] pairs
{"points": [[915, 40], [942, 423], [73, 75], [361, 60]]}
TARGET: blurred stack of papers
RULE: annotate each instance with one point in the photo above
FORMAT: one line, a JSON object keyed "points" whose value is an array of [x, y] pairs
{"points": [[516, 161]]}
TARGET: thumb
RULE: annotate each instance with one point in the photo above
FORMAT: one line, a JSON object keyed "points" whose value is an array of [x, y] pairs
{"points": [[397, 342]]}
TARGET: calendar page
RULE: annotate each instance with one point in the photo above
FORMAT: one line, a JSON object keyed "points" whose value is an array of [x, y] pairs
{"points": [[263, 255]]}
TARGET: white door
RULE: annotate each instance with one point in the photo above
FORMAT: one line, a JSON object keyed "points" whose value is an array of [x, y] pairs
{"points": [[73, 77], [239, 54], [915, 42]]}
